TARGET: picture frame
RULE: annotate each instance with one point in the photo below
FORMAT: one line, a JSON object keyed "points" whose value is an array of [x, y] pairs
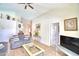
{"points": [[1, 16], [70, 24], [8, 17], [13, 19], [38, 26], [19, 25]]}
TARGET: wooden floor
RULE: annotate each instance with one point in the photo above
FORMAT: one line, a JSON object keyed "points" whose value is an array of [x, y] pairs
{"points": [[49, 51]]}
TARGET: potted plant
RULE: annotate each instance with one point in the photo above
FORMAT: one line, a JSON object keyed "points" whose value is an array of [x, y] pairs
{"points": [[36, 34]]}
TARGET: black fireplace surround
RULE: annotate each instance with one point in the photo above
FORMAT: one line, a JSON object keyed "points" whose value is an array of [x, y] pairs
{"points": [[71, 43]]}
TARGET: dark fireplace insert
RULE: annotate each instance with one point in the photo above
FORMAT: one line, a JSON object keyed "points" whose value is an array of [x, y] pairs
{"points": [[71, 43]]}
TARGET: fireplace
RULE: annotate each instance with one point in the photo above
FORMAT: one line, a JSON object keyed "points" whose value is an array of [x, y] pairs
{"points": [[71, 43]]}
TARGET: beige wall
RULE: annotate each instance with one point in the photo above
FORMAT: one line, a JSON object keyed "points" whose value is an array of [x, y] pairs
{"points": [[57, 15], [26, 26]]}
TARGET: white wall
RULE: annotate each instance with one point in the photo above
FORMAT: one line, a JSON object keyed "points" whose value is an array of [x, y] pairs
{"points": [[7, 28], [57, 15]]}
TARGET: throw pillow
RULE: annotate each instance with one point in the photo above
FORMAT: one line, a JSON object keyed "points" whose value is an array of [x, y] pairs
{"points": [[16, 39], [1, 46]]}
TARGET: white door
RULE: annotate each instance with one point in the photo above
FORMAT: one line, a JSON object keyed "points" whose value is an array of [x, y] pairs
{"points": [[54, 34]]}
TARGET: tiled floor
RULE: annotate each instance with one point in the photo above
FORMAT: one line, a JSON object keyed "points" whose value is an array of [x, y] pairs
{"points": [[49, 51]]}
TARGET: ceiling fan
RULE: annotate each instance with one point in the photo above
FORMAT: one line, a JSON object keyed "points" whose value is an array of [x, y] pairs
{"points": [[27, 5]]}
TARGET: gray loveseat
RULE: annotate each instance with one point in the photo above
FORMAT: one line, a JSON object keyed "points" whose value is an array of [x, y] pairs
{"points": [[17, 41]]}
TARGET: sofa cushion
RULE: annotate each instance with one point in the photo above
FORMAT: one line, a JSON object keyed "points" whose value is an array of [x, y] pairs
{"points": [[16, 39], [21, 37]]}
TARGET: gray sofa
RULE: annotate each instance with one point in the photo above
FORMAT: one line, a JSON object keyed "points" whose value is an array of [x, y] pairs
{"points": [[4, 49], [18, 41]]}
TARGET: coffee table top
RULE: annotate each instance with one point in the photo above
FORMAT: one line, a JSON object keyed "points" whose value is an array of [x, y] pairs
{"points": [[33, 49]]}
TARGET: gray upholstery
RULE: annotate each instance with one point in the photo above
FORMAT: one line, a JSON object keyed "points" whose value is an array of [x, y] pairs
{"points": [[4, 49], [18, 43]]}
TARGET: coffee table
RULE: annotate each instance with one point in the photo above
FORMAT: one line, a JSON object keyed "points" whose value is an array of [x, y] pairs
{"points": [[33, 49]]}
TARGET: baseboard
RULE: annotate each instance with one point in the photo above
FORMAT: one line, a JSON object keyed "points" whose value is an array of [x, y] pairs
{"points": [[44, 43]]}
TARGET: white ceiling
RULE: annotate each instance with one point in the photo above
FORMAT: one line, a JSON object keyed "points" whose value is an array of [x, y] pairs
{"points": [[29, 14]]}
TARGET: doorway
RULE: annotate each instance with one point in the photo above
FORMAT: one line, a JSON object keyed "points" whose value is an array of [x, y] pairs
{"points": [[54, 34]]}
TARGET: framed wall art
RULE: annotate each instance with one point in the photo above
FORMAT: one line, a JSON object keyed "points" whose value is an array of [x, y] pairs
{"points": [[38, 26], [70, 24], [1, 16], [8, 17], [19, 25], [13, 19]]}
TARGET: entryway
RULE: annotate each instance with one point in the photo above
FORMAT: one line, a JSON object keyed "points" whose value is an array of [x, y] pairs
{"points": [[54, 34]]}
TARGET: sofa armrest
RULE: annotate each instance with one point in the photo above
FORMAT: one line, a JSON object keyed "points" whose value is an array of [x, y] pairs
{"points": [[5, 48]]}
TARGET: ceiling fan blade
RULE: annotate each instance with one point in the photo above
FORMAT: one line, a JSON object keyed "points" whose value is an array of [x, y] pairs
{"points": [[21, 3], [29, 3], [25, 7], [30, 6]]}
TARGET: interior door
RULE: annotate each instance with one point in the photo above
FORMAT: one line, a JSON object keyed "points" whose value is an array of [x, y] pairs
{"points": [[54, 34]]}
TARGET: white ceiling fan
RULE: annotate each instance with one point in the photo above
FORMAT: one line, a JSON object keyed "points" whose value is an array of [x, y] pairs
{"points": [[27, 5]]}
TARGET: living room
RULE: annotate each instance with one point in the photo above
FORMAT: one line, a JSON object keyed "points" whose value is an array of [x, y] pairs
{"points": [[36, 23]]}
